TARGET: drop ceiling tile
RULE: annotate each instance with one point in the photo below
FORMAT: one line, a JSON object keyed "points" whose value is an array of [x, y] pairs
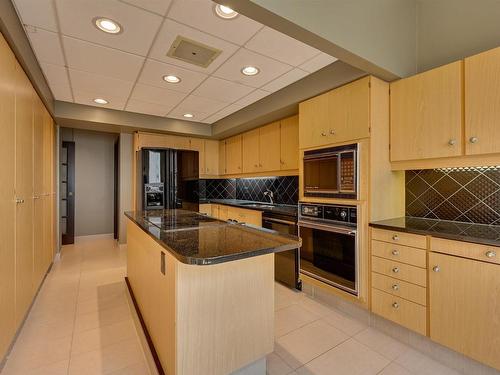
{"points": [[153, 72], [103, 87], [46, 45], [38, 13], [318, 62], [178, 113], [101, 60], [55, 74], [285, 80], [138, 26], [156, 6], [281, 47], [230, 109], [156, 95], [200, 14], [252, 97], [196, 103], [87, 98], [154, 109], [169, 32], [222, 90], [269, 68]]}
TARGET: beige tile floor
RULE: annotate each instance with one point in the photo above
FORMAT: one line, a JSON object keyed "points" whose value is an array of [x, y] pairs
{"points": [[81, 324]]}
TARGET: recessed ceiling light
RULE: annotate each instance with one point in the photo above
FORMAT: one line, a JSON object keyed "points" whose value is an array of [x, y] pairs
{"points": [[188, 115], [225, 12], [107, 25], [100, 101], [171, 79], [250, 70]]}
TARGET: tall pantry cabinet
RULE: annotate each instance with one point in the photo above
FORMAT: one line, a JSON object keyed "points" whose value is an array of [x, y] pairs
{"points": [[27, 198]]}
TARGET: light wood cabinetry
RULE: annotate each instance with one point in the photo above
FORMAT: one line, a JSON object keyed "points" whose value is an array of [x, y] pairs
{"points": [[426, 114], [26, 194], [340, 115], [482, 103], [251, 151], [241, 215], [289, 140], [269, 147], [211, 158], [399, 238], [464, 297], [234, 155], [206, 208], [222, 157]]}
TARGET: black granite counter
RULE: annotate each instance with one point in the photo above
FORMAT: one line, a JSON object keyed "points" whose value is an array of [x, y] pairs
{"points": [[453, 230], [194, 238], [284, 209]]}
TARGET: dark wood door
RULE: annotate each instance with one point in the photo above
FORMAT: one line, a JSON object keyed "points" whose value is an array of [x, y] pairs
{"points": [[116, 195], [67, 192]]}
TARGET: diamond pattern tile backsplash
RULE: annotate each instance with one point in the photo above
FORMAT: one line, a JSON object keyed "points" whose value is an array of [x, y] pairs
{"points": [[285, 189], [460, 194]]}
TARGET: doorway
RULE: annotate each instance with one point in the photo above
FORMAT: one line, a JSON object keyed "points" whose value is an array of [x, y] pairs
{"points": [[67, 204]]}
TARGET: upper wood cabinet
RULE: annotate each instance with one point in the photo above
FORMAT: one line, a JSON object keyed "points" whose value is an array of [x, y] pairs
{"points": [[251, 157], [340, 115], [233, 155], [269, 148], [222, 157], [464, 310], [482, 103], [289, 140], [426, 114], [211, 157]]}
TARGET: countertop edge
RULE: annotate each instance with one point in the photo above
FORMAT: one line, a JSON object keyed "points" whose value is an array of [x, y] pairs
{"points": [[213, 260], [240, 205], [447, 236]]}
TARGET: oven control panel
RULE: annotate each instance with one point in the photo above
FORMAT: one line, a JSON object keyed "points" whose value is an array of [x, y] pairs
{"points": [[338, 213]]}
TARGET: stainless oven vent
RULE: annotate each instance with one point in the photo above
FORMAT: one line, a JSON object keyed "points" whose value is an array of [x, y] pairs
{"points": [[193, 52]]}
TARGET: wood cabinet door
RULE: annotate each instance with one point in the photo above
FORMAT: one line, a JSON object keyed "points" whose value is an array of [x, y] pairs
{"points": [[426, 114], [313, 122], [24, 192], [233, 155], [211, 157], [250, 151], [482, 103], [222, 158], [289, 140], [349, 112], [269, 147], [7, 205], [197, 144], [464, 306]]}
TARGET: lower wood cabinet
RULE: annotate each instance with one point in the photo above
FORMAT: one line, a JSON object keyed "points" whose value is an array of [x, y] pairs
{"points": [[464, 298], [241, 215]]}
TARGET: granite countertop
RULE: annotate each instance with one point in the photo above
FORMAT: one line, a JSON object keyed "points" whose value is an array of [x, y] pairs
{"points": [[197, 239], [283, 209], [453, 230]]}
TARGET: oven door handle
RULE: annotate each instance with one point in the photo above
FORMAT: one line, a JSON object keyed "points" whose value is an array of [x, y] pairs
{"points": [[272, 220], [329, 228]]}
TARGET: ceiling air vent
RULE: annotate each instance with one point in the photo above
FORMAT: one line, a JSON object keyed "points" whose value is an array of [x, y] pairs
{"points": [[193, 52]]}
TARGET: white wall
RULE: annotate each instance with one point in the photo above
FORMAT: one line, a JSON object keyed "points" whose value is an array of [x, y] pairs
{"points": [[125, 195]]}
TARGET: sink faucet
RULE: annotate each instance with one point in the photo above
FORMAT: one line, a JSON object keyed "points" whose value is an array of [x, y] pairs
{"points": [[270, 194]]}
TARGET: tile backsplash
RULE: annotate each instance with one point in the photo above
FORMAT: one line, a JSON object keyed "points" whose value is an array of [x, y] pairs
{"points": [[459, 194], [285, 189]]}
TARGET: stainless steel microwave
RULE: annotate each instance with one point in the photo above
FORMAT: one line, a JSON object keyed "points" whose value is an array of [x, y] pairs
{"points": [[331, 172]]}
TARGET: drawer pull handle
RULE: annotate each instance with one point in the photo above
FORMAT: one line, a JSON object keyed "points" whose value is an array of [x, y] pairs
{"points": [[332, 132], [395, 237], [473, 139], [395, 270], [323, 134], [395, 287], [395, 252], [491, 254], [19, 200], [452, 142], [395, 305], [436, 269]]}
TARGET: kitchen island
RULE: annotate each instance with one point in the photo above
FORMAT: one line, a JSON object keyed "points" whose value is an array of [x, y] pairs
{"points": [[205, 290]]}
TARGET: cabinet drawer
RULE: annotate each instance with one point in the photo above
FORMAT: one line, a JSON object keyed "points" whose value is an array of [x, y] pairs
{"points": [[399, 288], [400, 253], [400, 271], [407, 239], [485, 253], [408, 314]]}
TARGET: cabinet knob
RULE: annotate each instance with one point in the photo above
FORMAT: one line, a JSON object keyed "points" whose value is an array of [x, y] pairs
{"points": [[255, 165], [473, 139], [395, 252], [452, 142], [436, 268], [395, 237], [19, 200], [323, 134], [395, 305], [395, 287], [332, 132], [36, 197], [491, 254], [395, 270]]}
